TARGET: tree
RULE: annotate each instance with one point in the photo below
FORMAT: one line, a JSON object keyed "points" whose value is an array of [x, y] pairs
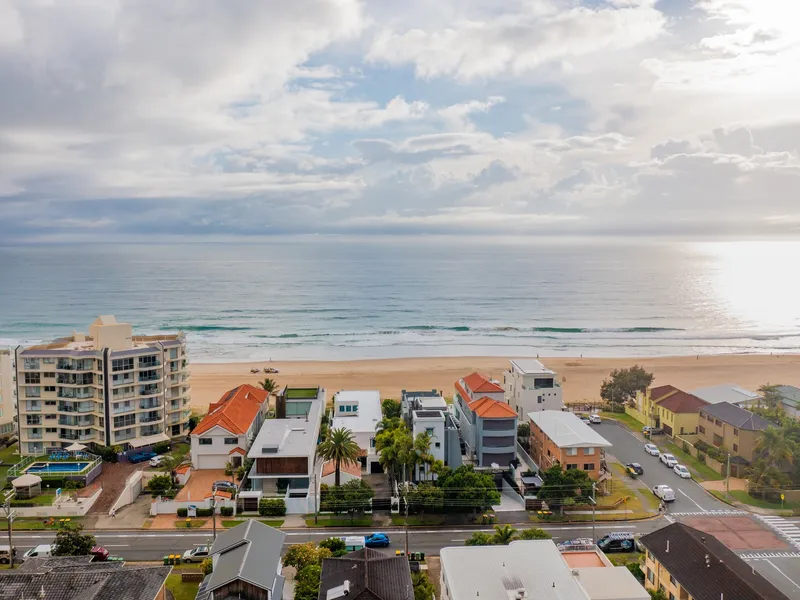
{"points": [[306, 585], [622, 384], [391, 409], [333, 544], [71, 542], [193, 421], [228, 469], [425, 497], [207, 566], [437, 468], [422, 449], [534, 533], [658, 594], [159, 484], [776, 447], [396, 448], [479, 538], [560, 485], [423, 588], [340, 447], [504, 535], [241, 470], [771, 397], [357, 496], [766, 478], [268, 385], [302, 555], [467, 488]]}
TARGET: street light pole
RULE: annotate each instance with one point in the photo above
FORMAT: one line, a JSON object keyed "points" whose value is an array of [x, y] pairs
{"points": [[594, 504], [214, 515], [10, 513]]}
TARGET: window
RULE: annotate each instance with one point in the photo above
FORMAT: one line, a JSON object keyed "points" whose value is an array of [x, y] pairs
{"points": [[31, 364], [588, 466], [231, 441], [51, 430], [32, 378], [205, 441], [49, 402], [341, 408], [672, 580], [429, 430], [571, 452], [671, 596], [571, 466], [702, 429], [48, 361], [33, 392], [651, 576], [372, 442], [539, 400], [717, 422], [437, 445], [588, 451], [736, 447], [49, 374], [51, 416], [121, 364], [50, 388], [735, 432]]}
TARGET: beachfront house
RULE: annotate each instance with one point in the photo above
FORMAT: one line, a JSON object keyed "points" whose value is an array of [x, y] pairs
{"points": [[107, 388], [530, 386], [284, 463], [227, 431], [359, 411], [420, 400], [678, 412], [789, 399], [428, 412], [561, 438], [732, 428], [726, 392], [488, 425], [295, 402]]}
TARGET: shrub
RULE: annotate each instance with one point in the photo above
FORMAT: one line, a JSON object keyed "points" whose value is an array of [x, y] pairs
{"points": [[207, 566], [272, 507], [226, 511], [183, 513], [204, 512], [161, 448], [333, 544], [686, 447], [160, 483], [107, 453], [701, 457]]}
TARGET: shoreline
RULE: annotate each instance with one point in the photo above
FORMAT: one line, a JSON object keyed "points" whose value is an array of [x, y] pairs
{"points": [[580, 377]]}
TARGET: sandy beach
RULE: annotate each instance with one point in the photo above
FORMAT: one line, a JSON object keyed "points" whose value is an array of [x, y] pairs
{"points": [[581, 377]]}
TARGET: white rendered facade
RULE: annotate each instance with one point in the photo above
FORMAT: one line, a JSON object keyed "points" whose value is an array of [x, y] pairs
{"points": [[530, 387], [432, 423], [360, 412]]}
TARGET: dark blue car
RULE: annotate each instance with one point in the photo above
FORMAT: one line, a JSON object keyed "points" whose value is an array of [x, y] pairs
{"points": [[141, 456], [377, 540]]}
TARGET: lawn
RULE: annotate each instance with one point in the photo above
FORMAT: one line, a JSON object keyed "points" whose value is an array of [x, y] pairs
{"points": [[35, 524], [8, 458], [620, 490], [625, 419], [235, 522], [625, 558], [179, 451], [44, 499], [417, 520], [192, 523], [339, 521], [180, 590], [701, 471], [745, 498]]}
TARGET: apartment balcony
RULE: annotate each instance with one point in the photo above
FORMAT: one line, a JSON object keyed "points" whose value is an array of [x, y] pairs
{"points": [[149, 377], [146, 405], [67, 422], [119, 382], [33, 421], [72, 394], [34, 436], [86, 436], [150, 418], [70, 435], [123, 409], [149, 390], [124, 424], [79, 407], [148, 431], [31, 407], [118, 397], [121, 437], [174, 418], [142, 366]]}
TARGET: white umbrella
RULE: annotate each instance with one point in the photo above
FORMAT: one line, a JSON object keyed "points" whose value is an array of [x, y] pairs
{"points": [[76, 447]]}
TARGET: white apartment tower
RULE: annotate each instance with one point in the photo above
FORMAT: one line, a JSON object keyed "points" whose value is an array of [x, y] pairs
{"points": [[531, 387], [106, 388], [8, 393]]}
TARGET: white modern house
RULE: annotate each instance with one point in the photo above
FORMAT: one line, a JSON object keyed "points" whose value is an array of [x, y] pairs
{"points": [[360, 412], [284, 463], [530, 386], [227, 431]]}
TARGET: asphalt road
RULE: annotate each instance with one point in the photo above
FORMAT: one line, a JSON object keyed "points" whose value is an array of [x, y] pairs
{"points": [[689, 496], [154, 545]]}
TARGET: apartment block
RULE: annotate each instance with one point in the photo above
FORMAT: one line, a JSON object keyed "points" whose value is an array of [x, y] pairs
{"points": [[561, 438], [530, 386], [109, 388], [8, 393]]}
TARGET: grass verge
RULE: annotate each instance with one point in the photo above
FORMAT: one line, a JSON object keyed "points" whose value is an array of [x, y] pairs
{"points": [[745, 498], [181, 590], [37, 524], [235, 522], [625, 558], [338, 521], [700, 471], [189, 523], [625, 419], [417, 520]]}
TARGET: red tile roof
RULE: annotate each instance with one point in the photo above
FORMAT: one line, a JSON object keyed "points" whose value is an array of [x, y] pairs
{"points": [[488, 408], [351, 468], [235, 411], [237, 450], [682, 402], [478, 383], [662, 391]]}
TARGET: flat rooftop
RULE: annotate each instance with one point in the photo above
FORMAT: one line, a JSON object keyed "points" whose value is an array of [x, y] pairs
{"points": [[301, 393], [86, 344], [566, 430], [366, 418], [288, 437], [583, 559], [531, 366]]}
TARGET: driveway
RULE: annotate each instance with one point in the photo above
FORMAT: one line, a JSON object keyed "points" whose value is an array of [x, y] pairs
{"points": [[689, 496], [199, 484]]}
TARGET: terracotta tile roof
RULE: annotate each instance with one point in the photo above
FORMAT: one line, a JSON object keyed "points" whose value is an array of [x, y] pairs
{"points": [[351, 468], [682, 402], [480, 384], [221, 494], [487, 408], [237, 450], [235, 411], [662, 391]]}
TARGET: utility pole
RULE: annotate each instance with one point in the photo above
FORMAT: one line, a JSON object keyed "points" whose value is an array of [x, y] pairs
{"points": [[594, 503], [316, 494], [214, 515], [405, 484], [10, 513], [728, 478]]}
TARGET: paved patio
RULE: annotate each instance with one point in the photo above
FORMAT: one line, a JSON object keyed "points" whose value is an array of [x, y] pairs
{"points": [[199, 484]]}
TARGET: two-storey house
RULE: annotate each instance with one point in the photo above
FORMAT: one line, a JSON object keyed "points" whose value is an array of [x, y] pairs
{"points": [[530, 386], [732, 428]]}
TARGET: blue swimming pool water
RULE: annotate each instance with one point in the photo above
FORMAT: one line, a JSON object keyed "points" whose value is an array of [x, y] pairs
{"points": [[56, 467]]}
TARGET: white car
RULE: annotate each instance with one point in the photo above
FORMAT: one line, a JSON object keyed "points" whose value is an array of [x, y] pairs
{"points": [[156, 461], [595, 419], [682, 471], [669, 460], [196, 554], [664, 492], [652, 449]]}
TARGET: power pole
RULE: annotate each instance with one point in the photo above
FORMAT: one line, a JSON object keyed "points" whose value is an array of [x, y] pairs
{"points": [[10, 513], [316, 496], [214, 516], [594, 503], [406, 525], [728, 478]]}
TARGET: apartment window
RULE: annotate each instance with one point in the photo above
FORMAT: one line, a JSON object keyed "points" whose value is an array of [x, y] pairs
{"points": [[429, 430], [50, 388], [588, 466], [33, 392], [571, 466], [31, 378], [31, 364], [121, 364], [49, 375], [735, 432], [205, 441], [672, 580], [651, 576], [124, 421], [231, 441], [702, 429], [341, 408], [148, 361], [571, 452], [736, 447], [717, 422], [539, 400], [372, 442], [51, 430], [51, 416], [588, 451], [49, 402], [671, 596], [173, 353], [48, 361]]}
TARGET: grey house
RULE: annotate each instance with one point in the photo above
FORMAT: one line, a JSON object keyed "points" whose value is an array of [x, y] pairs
{"points": [[488, 425], [366, 575], [247, 564], [427, 412]]}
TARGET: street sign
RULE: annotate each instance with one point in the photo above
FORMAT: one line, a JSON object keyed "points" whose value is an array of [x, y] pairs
{"points": [[781, 496], [191, 511]]}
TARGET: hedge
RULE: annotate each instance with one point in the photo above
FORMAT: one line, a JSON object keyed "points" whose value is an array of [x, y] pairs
{"points": [[226, 511], [161, 448], [201, 512], [272, 507], [183, 512]]}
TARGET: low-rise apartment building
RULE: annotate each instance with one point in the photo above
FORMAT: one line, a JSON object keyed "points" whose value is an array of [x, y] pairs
{"points": [[732, 428], [559, 437], [678, 412], [8, 393], [487, 424], [530, 386], [226, 433], [359, 411], [689, 564], [789, 397], [108, 388]]}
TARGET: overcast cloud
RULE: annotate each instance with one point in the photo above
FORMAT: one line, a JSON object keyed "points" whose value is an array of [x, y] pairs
{"points": [[200, 117]]}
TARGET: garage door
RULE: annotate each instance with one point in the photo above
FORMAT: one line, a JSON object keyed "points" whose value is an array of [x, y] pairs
{"points": [[212, 461]]}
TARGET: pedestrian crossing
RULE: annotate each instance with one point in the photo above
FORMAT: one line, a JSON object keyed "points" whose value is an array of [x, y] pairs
{"points": [[787, 529], [763, 555], [710, 513]]}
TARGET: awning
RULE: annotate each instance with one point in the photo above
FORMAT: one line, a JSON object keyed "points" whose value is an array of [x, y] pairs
{"points": [[26, 481], [149, 440], [76, 447]]}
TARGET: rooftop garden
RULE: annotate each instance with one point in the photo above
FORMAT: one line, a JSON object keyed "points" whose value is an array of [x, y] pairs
{"points": [[301, 393]]}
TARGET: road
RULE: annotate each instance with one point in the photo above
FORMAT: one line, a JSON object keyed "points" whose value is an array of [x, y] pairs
{"points": [[154, 545], [689, 496]]}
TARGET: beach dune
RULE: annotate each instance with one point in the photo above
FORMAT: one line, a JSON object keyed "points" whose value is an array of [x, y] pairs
{"points": [[580, 377]]}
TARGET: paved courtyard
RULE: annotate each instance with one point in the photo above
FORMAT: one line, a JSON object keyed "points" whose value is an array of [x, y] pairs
{"points": [[199, 484]]}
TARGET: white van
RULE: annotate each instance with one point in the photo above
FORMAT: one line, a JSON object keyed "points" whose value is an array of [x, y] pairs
{"points": [[41, 551]]}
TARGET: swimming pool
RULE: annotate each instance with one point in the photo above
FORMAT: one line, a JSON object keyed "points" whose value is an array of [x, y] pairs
{"points": [[57, 467]]}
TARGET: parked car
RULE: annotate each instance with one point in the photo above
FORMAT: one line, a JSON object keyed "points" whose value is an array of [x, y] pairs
{"points": [[648, 431], [652, 449], [377, 540], [141, 456], [196, 554], [682, 471], [41, 551], [156, 461], [664, 492], [7, 554], [595, 419], [585, 419], [99, 554], [668, 459], [224, 486], [636, 468], [618, 542]]}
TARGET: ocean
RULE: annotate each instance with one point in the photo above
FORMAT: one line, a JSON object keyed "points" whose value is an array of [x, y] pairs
{"points": [[330, 298]]}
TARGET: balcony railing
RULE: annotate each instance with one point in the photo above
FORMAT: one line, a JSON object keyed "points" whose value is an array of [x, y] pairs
{"points": [[146, 431], [152, 377], [146, 405], [124, 436], [125, 423], [72, 407], [148, 390], [123, 409], [150, 419], [118, 382], [34, 436]]}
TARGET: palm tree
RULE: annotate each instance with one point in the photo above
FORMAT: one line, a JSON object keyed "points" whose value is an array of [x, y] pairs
{"points": [[268, 385], [504, 535], [776, 447], [340, 447], [771, 396], [422, 449], [437, 468]]}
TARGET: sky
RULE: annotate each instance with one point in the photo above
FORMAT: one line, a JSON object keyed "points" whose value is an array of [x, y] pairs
{"points": [[126, 119]]}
